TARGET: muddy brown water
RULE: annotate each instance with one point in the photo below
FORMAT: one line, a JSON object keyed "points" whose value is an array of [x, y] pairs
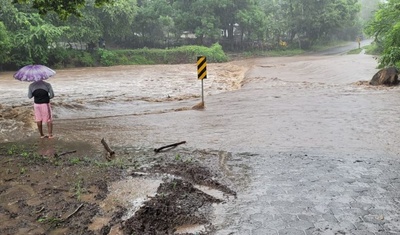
{"points": [[319, 104], [294, 102]]}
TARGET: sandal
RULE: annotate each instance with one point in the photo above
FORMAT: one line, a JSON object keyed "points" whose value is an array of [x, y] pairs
{"points": [[44, 136]]}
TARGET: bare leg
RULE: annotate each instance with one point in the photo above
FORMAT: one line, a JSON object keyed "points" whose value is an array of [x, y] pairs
{"points": [[40, 128], [50, 128]]}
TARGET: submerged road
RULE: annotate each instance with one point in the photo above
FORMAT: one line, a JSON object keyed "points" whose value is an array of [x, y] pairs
{"points": [[318, 145], [326, 159]]}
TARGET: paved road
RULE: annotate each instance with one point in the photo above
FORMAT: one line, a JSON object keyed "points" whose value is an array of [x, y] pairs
{"points": [[299, 193], [345, 48], [329, 163]]}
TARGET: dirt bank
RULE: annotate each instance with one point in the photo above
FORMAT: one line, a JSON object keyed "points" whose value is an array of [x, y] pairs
{"points": [[53, 187]]}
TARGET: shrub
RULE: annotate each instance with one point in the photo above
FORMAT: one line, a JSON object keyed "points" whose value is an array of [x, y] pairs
{"points": [[184, 54], [86, 59], [107, 58], [61, 57], [390, 57]]}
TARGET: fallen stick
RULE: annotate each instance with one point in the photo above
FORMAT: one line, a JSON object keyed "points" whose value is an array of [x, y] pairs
{"points": [[77, 209], [56, 189], [112, 153], [168, 146], [38, 211], [64, 153]]}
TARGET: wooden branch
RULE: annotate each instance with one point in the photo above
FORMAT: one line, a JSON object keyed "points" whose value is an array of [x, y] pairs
{"points": [[40, 210], [169, 146], [77, 209], [64, 153], [112, 153]]}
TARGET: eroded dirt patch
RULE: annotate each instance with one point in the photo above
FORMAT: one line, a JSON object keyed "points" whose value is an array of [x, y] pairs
{"points": [[177, 203], [44, 191], [195, 174]]}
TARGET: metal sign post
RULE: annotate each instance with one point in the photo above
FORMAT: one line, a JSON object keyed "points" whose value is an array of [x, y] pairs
{"points": [[202, 91], [202, 73]]}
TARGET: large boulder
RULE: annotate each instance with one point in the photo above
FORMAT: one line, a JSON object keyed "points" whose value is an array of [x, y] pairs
{"points": [[387, 76]]}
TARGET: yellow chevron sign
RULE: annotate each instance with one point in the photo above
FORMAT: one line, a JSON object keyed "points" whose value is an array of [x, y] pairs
{"points": [[201, 67]]}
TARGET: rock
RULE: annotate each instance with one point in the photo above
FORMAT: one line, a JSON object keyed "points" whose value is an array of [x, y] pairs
{"points": [[387, 76]]}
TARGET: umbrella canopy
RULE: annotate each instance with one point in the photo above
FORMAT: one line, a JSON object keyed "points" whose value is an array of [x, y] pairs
{"points": [[33, 73]]}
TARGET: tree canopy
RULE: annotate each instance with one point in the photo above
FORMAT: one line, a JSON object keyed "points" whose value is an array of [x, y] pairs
{"points": [[37, 27], [385, 28], [63, 8]]}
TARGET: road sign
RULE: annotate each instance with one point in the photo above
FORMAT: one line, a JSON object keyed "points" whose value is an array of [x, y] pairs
{"points": [[201, 67]]}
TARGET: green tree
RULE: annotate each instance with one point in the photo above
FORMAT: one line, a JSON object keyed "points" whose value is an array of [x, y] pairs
{"points": [[385, 28], [152, 22], [31, 36], [277, 24], [117, 19], [112, 22], [229, 13], [83, 31], [63, 8], [5, 45], [316, 19], [253, 22]]}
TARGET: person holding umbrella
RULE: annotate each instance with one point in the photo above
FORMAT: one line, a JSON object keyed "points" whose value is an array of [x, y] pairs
{"points": [[41, 92]]}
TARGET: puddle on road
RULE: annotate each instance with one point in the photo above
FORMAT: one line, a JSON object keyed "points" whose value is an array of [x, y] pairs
{"points": [[60, 231], [98, 223], [130, 192], [190, 229], [210, 191]]}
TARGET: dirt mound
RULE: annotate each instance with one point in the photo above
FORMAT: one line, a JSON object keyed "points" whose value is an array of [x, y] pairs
{"points": [[22, 114], [195, 174], [46, 188], [41, 194], [177, 203]]}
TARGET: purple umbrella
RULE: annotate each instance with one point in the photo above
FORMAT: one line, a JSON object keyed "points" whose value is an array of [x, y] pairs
{"points": [[33, 73]]}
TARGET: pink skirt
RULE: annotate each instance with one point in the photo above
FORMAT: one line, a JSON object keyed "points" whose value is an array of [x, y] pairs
{"points": [[42, 112]]}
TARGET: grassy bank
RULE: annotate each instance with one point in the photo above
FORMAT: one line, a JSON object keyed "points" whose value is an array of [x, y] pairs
{"points": [[66, 58]]}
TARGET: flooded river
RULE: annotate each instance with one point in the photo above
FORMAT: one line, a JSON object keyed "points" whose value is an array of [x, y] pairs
{"points": [[319, 102], [315, 105]]}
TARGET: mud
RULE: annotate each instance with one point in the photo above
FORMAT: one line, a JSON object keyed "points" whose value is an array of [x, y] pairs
{"points": [[42, 194], [48, 189], [176, 203]]}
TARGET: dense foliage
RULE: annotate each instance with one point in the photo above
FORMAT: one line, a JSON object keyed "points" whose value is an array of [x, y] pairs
{"points": [[63, 8], [44, 31], [385, 28]]}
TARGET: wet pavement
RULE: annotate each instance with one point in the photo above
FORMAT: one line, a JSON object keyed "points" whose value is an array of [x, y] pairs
{"points": [[319, 144], [293, 193], [326, 159]]}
